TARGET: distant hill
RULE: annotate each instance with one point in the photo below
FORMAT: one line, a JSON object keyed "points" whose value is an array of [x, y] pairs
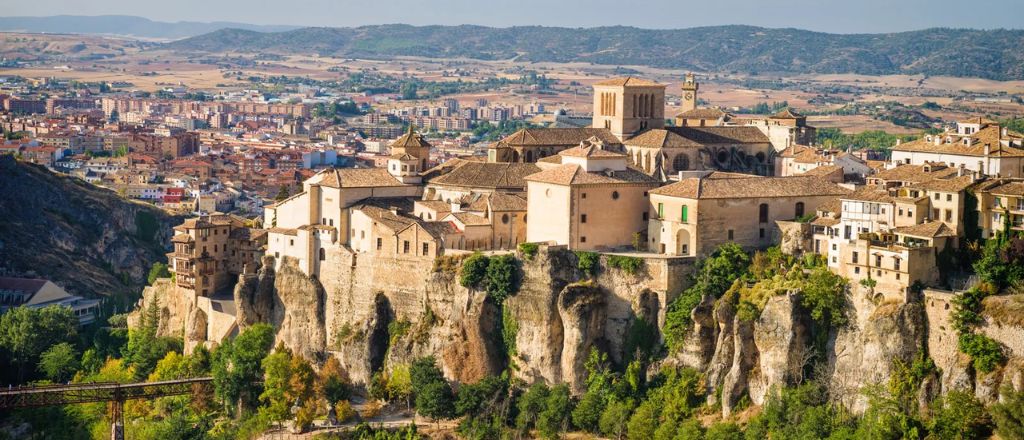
{"points": [[993, 54], [123, 25], [85, 238]]}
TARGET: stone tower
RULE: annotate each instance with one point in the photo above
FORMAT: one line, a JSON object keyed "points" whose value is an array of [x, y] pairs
{"points": [[689, 93], [628, 106], [412, 144]]}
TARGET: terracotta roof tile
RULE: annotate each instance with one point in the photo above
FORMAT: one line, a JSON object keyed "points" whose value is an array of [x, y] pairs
{"points": [[698, 188]]}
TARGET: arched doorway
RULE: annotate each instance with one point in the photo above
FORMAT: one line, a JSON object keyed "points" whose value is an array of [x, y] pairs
{"points": [[682, 242]]}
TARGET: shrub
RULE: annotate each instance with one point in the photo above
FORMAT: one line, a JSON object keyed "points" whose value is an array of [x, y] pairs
{"points": [[986, 354], [1008, 415], [501, 278], [587, 262], [630, 265], [474, 269], [397, 329], [509, 331], [529, 250]]}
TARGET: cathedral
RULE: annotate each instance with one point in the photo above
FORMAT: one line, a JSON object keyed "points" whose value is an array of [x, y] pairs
{"points": [[629, 118]]}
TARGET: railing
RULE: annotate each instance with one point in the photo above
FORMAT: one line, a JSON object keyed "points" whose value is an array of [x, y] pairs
{"points": [[47, 395]]}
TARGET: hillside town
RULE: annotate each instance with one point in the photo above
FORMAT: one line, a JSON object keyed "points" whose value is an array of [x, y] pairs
{"points": [[274, 197]]}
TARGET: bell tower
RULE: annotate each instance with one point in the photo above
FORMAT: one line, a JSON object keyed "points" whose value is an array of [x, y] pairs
{"points": [[628, 106], [689, 93]]}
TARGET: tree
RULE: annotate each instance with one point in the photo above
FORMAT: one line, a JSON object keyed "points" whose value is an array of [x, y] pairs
{"points": [[1008, 415], [434, 398], [473, 271], [237, 365], [615, 418], [554, 419], [159, 270], [333, 382], [276, 374], [530, 404], [59, 362], [959, 415], [26, 332]]}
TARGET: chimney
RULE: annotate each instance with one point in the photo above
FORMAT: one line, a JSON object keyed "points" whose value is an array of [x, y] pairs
{"points": [[938, 140], [1003, 132], [988, 149], [899, 141]]}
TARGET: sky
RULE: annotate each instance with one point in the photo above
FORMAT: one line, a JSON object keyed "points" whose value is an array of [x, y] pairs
{"points": [[836, 16]]}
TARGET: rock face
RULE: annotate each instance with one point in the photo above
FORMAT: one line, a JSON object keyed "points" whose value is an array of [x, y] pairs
{"points": [[84, 238], [374, 315]]}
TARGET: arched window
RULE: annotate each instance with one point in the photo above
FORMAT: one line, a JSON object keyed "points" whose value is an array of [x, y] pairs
{"points": [[799, 209], [615, 195], [323, 254], [529, 156], [763, 213], [681, 163], [504, 219]]}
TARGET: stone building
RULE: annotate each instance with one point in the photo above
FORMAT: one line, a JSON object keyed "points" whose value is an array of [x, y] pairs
{"points": [[532, 144], [667, 151], [587, 199], [211, 251], [696, 215]]}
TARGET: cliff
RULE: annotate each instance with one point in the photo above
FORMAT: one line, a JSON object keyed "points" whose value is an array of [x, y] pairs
{"points": [[84, 238], [376, 314]]}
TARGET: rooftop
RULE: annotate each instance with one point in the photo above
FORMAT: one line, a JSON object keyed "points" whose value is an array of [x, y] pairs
{"points": [[758, 187]]}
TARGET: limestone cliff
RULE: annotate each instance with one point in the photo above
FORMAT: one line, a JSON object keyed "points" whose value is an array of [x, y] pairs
{"points": [[85, 238], [376, 314]]}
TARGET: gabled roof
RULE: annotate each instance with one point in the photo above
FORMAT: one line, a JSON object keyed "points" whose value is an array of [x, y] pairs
{"points": [[692, 137], [787, 113], [486, 175], [572, 174], [1009, 189], [566, 137], [930, 229], [359, 178], [589, 150], [627, 81], [704, 113], [703, 188], [990, 135]]}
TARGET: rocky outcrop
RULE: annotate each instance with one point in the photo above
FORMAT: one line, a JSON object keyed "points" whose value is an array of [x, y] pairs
{"points": [[82, 237], [581, 308], [781, 339]]}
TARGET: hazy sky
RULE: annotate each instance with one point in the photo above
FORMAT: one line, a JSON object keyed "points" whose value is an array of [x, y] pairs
{"points": [[840, 16]]}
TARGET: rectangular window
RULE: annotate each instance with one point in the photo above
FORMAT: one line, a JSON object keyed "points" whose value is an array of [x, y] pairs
{"points": [[426, 248], [583, 195], [896, 265], [661, 210], [949, 197], [380, 243], [730, 234], [760, 233], [686, 214], [405, 247], [878, 261], [645, 216], [854, 258], [856, 270], [583, 218], [583, 239], [936, 196]]}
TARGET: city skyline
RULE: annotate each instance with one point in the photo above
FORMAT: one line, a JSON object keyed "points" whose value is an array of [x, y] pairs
{"points": [[827, 16]]}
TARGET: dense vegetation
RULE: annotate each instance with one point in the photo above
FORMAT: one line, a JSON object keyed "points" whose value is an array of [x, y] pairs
{"points": [[993, 54], [871, 139]]}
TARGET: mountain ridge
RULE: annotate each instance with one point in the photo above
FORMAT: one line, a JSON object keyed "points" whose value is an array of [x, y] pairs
{"points": [[991, 54], [124, 25]]}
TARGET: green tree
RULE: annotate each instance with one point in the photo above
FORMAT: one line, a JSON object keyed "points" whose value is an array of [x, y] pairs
{"points": [[501, 277], [59, 362], [554, 419], [615, 418], [724, 431], [276, 375], [237, 365], [159, 270], [530, 405], [1008, 414], [473, 271], [958, 415], [25, 333], [434, 398], [333, 382], [714, 276]]}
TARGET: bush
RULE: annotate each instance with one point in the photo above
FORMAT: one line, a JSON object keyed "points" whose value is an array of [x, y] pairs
{"points": [[959, 415], [501, 277], [529, 250], [509, 331], [587, 262], [1008, 415], [630, 265], [396, 330], [986, 354], [473, 270]]}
